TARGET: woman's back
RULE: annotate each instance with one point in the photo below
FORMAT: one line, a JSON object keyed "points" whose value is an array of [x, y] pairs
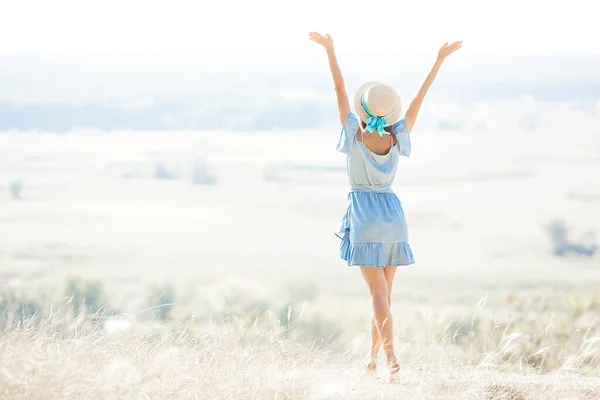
{"points": [[372, 169]]}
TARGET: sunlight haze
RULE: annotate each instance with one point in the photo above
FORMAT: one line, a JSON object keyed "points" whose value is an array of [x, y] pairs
{"points": [[269, 25], [181, 213]]}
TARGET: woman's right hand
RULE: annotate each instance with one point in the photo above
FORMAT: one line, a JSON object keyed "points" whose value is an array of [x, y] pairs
{"points": [[325, 41], [448, 49]]}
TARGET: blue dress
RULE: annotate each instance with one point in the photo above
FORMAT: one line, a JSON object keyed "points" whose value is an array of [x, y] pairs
{"points": [[373, 231]]}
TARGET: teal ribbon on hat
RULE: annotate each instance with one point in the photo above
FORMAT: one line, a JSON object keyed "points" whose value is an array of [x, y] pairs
{"points": [[374, 122]]}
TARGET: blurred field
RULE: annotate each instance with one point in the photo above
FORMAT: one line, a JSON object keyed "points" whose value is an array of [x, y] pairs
{"points": [[259, 358], [232, 235]]}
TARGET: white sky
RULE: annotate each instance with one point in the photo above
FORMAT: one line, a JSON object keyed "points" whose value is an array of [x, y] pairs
{"points": [[417, 26]]}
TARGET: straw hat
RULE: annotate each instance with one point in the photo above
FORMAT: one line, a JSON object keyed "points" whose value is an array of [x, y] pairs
{"points": [[380, 100]]}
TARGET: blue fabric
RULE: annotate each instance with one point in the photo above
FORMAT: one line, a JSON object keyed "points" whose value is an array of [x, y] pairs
{"points": [[373, 230], [374, 122]]}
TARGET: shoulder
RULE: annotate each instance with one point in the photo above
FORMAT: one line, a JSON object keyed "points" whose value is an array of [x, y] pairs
{"points": [[350, 119], [351, 123], [399, 127], [349, 132]]}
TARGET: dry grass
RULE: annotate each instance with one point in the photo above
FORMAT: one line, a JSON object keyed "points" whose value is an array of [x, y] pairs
{"points": [[533, 347], [234, 360]]}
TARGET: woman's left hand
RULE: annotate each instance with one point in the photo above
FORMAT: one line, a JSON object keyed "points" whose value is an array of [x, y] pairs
{"points": [[325, 41]]}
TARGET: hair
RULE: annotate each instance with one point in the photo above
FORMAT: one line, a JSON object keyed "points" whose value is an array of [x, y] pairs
{"points": [[388, 128]]}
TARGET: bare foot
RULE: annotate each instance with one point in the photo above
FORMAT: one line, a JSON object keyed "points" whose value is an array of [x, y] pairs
{"points": [[394, 367], [372, 367]]}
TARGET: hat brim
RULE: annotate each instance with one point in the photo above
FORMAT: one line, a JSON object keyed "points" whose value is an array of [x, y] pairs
{"points": [[362, 114]]}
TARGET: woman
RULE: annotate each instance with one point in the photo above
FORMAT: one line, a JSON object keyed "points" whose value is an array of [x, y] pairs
{"points": [[374, 232]]}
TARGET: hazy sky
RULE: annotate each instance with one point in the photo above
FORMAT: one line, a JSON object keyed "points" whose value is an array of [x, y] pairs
{"points": [[498, 27]]}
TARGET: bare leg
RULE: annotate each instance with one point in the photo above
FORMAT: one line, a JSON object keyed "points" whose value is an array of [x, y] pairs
{"points": [[380, 297], [389, 273], [375, 344]]}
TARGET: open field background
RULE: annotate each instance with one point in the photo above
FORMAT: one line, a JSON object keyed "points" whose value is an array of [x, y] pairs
{"points": [[228, 237]]}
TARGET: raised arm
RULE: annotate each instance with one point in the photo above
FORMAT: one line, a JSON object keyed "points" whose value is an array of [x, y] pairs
{"points": [[338, 80], [413, 110]]}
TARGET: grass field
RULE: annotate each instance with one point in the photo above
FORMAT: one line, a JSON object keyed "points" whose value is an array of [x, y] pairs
{"points": [[259, 358], [188, 265]]}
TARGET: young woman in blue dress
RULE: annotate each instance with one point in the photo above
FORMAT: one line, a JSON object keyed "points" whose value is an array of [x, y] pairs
{"points": [[373, 232]]}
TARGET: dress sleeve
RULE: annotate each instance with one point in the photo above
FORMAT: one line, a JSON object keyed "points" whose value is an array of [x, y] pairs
{"points": [[403, 137], [348, 134]]}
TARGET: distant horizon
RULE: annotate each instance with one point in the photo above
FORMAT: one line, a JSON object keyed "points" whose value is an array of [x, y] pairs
{"points": [[151, 90]]}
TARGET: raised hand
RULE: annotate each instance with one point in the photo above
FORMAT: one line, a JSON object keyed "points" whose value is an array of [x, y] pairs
{"points": [[325, 41], [338, 80], [448, 49], [413, 110]]}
